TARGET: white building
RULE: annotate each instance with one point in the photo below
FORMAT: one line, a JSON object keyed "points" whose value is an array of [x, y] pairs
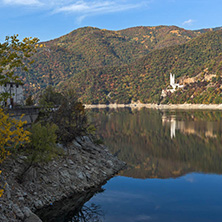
{"points": [[174, 86], [15, 90]]}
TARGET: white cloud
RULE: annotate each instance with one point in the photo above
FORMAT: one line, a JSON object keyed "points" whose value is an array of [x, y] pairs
{"points": [[188, 22], [80, 8], [85, 8], [22, 2]]}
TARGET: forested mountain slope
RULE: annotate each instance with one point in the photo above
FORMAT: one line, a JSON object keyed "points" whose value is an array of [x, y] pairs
{"points": [[90, 47], [145, 78]]}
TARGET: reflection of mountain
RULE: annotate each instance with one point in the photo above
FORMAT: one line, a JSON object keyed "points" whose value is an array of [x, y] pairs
{"points": [[202, 129], [143, 141]]}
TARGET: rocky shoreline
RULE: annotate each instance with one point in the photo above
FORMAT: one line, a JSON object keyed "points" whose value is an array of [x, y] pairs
{"points": [[85, 166], [156, 106]]}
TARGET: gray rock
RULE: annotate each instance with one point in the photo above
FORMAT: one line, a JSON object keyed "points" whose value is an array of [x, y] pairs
{"points": [[70, 162], [32, 218], [110, 164], [76, 144], [21, 199], [17, 211], [38, 204], [27, 212], [86, 166]]}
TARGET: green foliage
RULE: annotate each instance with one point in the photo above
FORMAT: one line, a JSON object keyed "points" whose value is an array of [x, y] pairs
{"points": [[70, 118], [144, 79], [29, 101], [133, 64], [50, 98], [90, 47], [42, 147], [14, 56]]}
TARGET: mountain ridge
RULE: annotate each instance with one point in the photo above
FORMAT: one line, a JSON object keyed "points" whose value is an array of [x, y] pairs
{"points": [[88, 48], [144, 79]]}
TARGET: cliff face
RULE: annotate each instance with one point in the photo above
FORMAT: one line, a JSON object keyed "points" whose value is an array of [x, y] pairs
{"points": [[84, 166]]}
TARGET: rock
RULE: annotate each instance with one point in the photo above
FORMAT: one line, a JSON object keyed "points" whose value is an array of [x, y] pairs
{"points": [[17, 211], [85, 166], [27, 212], [21, 199], [75, 143], [32, 218], [38, 204], [80, 175], [110, 164], [70, 162]]}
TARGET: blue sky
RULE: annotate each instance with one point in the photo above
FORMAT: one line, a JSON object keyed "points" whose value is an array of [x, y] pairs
{"points": [[49, 19]]}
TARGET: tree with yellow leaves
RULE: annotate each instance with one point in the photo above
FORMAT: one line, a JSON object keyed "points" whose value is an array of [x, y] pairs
{"points": [[12, 135], [14, 55]]}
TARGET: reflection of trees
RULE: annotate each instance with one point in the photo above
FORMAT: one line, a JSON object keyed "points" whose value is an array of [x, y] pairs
{"points": [[140, 139], [92, 213], [73, 209]]}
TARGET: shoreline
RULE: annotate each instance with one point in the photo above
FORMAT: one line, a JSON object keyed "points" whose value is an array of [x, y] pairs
{"points": [[156, 106], [84, 166]]}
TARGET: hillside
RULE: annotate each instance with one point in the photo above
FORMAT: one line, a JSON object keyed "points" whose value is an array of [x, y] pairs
{"points": [[145, 78], [90, 47]]}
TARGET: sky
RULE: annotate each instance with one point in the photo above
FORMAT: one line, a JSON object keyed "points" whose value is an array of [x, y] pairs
{"points": [[49, 19]]}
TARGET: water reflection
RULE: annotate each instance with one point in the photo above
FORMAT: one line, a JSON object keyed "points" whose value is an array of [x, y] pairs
{"points": [[73, 209], [165, 144], [91, 213], [205, 129], [173, 158]]}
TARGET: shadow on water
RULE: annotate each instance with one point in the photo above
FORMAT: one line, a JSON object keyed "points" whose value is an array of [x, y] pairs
{"points": [[73, 209]]}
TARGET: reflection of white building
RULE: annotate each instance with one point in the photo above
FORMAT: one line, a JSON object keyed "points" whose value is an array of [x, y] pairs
{"points": [[15, 92], [201, 129], [174, 86]]}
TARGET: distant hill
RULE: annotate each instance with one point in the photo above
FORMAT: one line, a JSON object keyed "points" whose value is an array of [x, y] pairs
{"points": [[145, 78], [128, 65], [90, 47]]}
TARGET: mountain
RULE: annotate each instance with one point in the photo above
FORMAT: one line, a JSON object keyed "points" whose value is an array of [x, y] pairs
{"points": [[145, 78], [89, 47]]}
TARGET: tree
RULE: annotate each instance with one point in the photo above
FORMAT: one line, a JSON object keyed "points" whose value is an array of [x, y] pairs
{"points": [[42, 146], [15, 55], [70, 118], [12, 135], [50, 98]]}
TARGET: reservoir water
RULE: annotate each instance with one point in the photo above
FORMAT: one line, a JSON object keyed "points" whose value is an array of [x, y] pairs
{"points": [[174, 169]]}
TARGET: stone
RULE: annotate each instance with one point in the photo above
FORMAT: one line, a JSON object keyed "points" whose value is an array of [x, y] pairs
{"points": [[76, 144], [70, 162], [87, 166], [80, 175], [38, 204], [27, 212], [32, 218], [21, 199], [17, 211]]}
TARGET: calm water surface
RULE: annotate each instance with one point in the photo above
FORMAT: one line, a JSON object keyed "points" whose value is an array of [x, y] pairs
{"points": [[174, 166]]}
